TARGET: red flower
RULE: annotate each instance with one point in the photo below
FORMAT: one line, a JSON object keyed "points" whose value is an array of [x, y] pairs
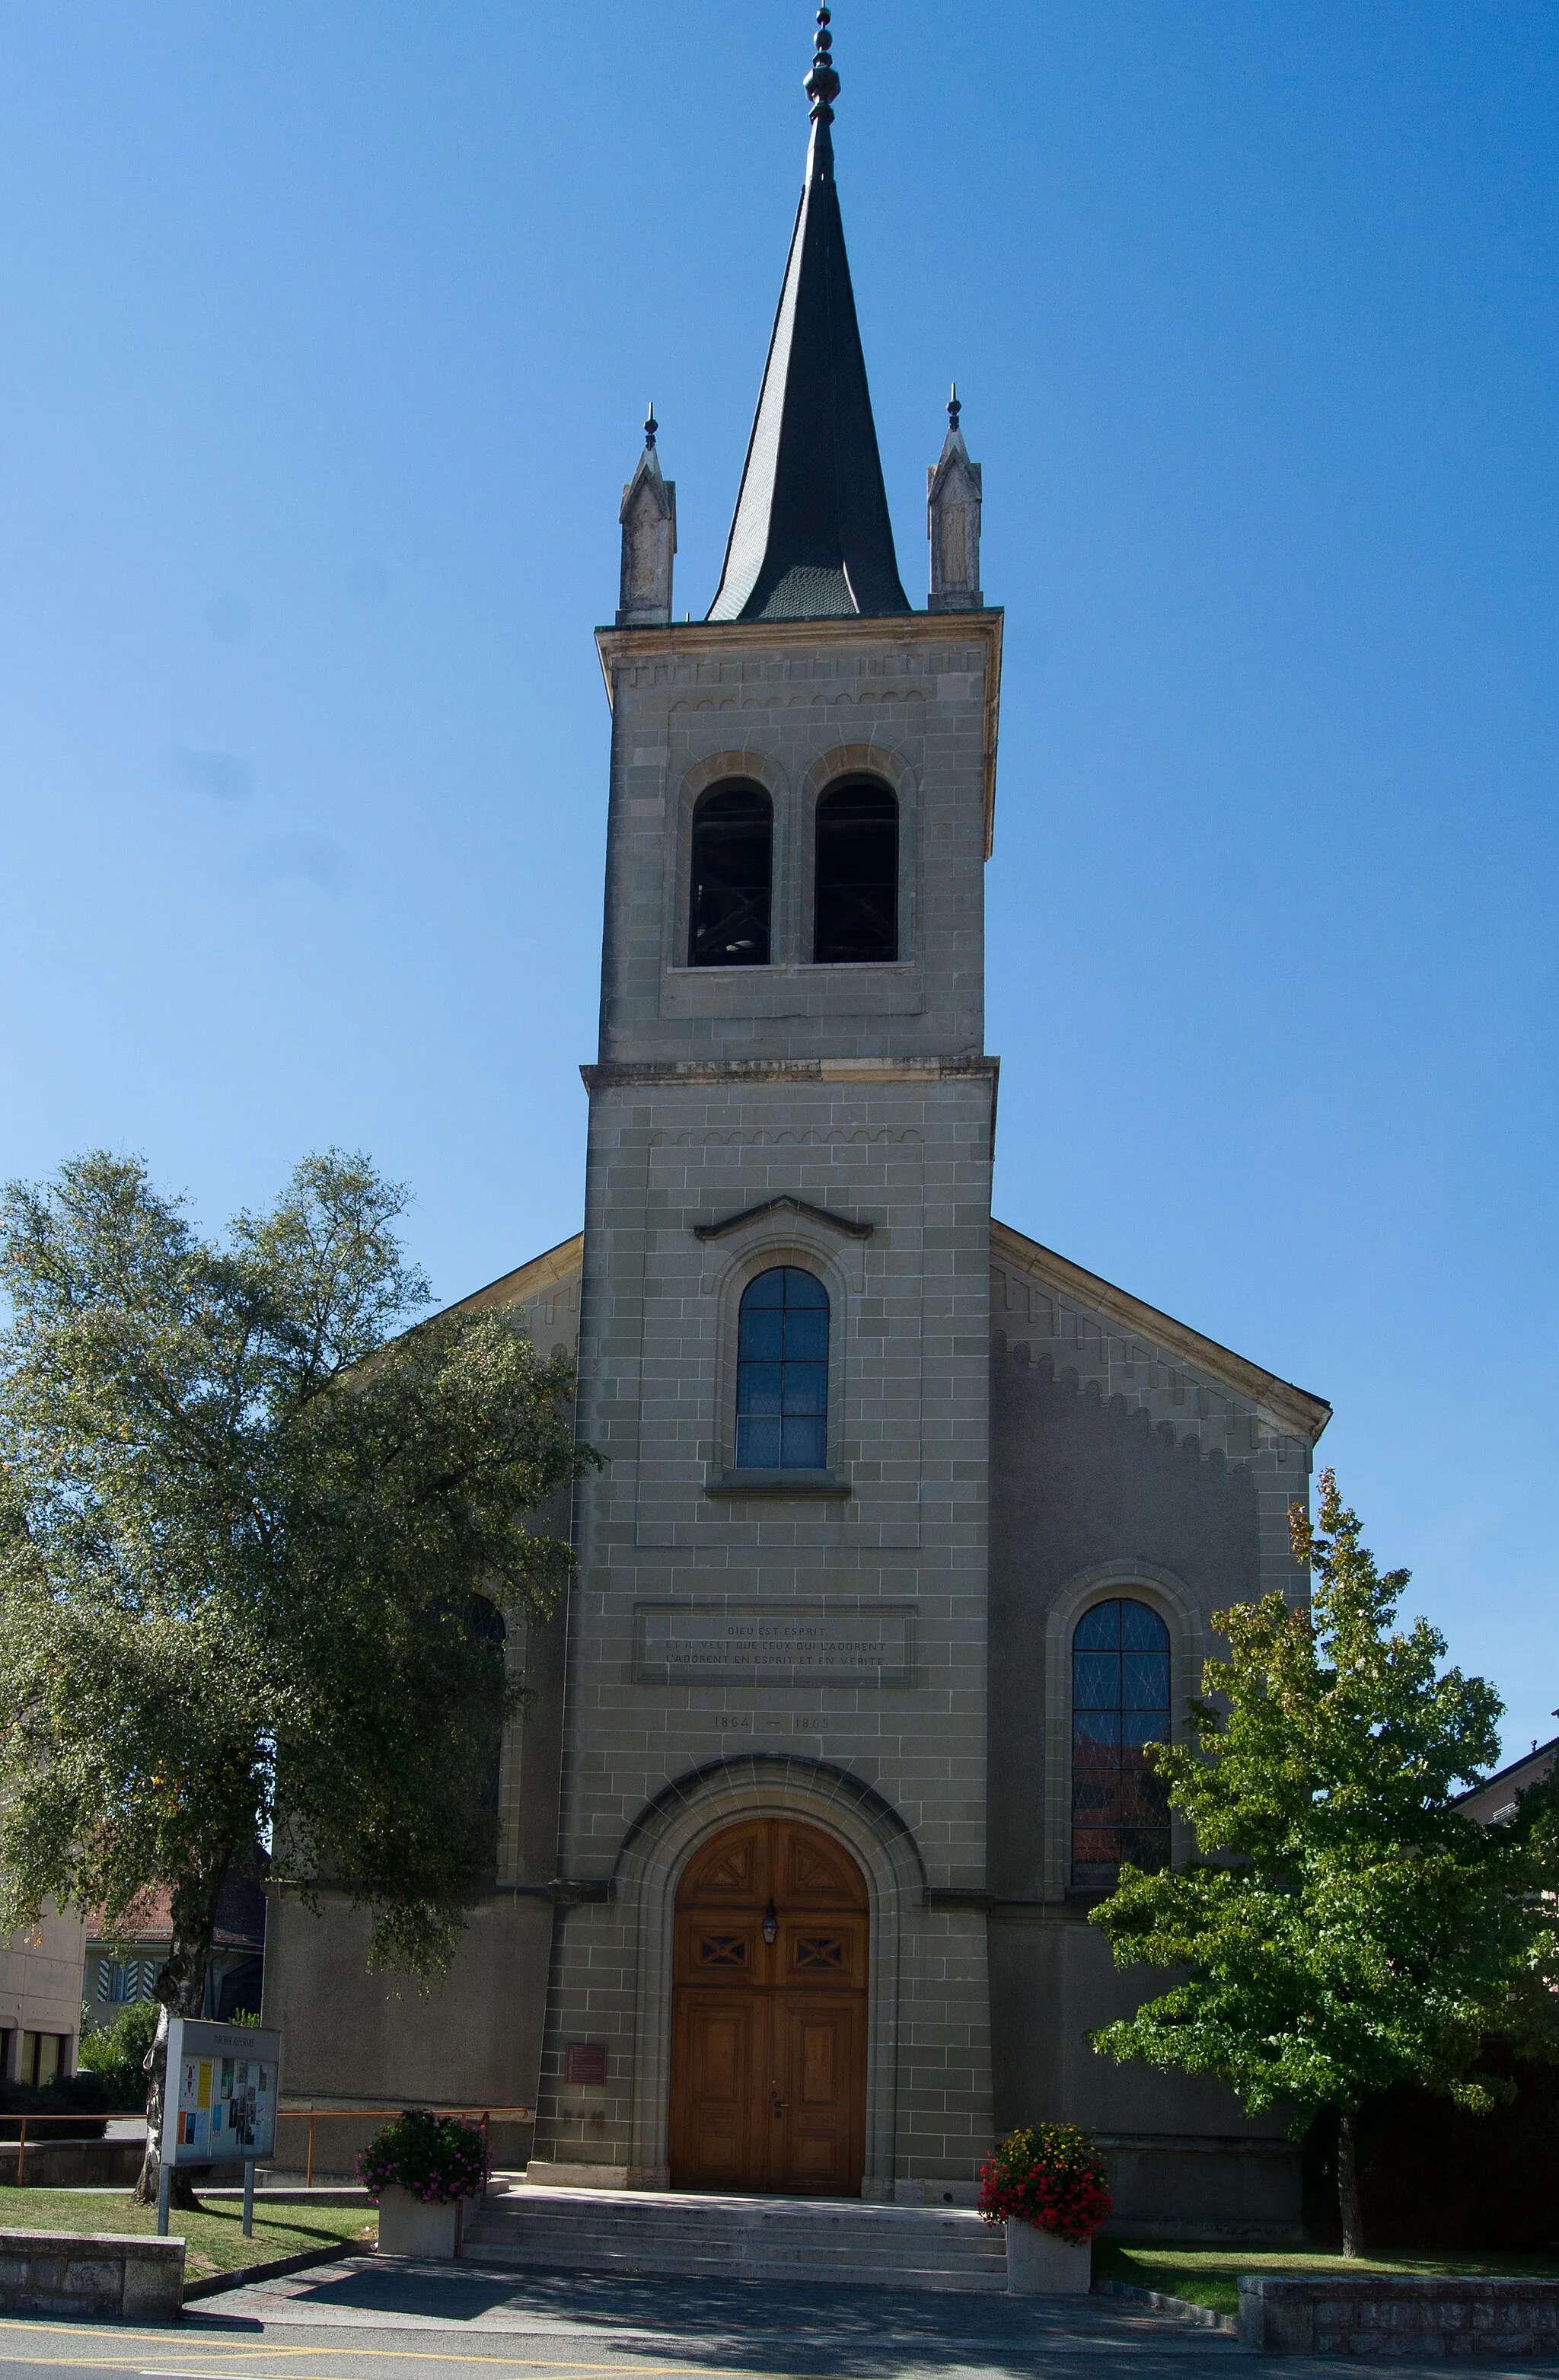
{"points": [[1051, 2175]]}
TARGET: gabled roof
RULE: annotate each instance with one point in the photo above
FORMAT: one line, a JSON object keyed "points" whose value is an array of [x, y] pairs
{"points": [[1496, 1800], [526, 1280], [1292, 1410], [1295, 1411], [812, 538]]}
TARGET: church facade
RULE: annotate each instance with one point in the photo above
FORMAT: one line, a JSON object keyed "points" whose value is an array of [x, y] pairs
{"points": [[909, 1532]]}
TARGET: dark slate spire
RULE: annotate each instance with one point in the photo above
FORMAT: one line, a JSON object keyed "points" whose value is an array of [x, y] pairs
{"points": [[812, 539]]}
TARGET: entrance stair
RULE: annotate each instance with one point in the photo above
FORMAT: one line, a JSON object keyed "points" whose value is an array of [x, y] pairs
{"points": [[833, 2241]]}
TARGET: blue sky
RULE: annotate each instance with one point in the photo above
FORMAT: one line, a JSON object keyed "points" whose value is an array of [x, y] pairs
{"points": [[324, 338]]}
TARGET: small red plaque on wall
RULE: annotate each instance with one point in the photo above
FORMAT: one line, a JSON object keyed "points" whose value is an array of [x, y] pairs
{"points": [[585, 2061]]}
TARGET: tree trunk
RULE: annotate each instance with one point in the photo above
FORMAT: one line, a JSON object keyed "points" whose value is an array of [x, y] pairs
{"points": [[181, 1988], [1348, 2205]]}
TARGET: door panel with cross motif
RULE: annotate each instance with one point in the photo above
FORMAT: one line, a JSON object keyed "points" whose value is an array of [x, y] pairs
{"points": [[768, 2042]]}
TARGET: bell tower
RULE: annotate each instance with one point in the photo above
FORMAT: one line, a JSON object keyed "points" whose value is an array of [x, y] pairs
{"points": [[778, 1627]]}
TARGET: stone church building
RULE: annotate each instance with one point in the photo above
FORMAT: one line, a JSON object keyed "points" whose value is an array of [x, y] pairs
{"points": [[909, 1530]]}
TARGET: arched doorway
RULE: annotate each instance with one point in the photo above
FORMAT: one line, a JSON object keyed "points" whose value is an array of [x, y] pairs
{"points": [[769, 2041]]}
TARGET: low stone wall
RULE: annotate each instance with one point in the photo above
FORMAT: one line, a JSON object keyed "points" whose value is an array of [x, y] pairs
{"points": [[109, 2275], [1401, 2315], [72, 2165]]}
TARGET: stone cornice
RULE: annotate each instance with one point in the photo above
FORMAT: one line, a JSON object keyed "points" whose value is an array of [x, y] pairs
{"points": [[1292, 1410], [694, 641], [527, 1280], [786, 1205], [667, 1074]]}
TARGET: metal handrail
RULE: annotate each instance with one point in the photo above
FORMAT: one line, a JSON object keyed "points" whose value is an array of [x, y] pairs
{"points": [[313, 2116], [83, 2115]]}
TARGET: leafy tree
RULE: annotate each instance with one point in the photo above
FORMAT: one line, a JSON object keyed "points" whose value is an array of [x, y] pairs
{"points": [[1345, 1925], [118, 2051], [254, 1553]]}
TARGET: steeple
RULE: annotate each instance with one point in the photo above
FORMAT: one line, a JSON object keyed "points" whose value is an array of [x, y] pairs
{"points": [[812, 538]]}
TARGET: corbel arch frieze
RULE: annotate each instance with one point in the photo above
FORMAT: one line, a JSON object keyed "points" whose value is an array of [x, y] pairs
{"points": [[656, 1847], [1162, 1591]]}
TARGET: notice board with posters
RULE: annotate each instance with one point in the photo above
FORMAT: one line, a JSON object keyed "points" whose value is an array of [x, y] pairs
{"points": [[224, 2084]]}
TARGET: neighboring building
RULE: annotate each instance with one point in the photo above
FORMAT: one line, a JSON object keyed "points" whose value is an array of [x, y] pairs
{"points": [[40, 1998], [1495, 1802], [124, 1967], [910, 1531]]}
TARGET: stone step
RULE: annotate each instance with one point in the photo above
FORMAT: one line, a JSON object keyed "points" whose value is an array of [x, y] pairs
{"points": [[798, 2233], [799, 2221], [966, 2280], [683, 2205], [698, 2234], [712, 2247]]}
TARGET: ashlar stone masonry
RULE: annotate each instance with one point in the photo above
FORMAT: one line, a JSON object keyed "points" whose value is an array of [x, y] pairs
{"points": [[870, 1462]]}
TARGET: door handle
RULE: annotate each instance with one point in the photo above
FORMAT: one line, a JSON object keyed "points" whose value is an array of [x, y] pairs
{"points": [[780, 2105]]}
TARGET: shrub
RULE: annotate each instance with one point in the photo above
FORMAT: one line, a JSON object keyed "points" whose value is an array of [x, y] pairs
{"points": [[436, 2158], [1049, 2175], [83, 2095], [117, 2052]]}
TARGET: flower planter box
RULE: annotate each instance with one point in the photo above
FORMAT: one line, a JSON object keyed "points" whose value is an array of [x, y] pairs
{"points": [[409, 2227], [1039, 2264]]}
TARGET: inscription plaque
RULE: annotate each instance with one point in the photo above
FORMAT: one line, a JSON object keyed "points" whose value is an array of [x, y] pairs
{"points": [[724, 1642]]}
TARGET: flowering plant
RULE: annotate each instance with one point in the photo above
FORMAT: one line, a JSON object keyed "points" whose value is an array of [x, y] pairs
{"points": [[1049, 2175], [436, 2158]]}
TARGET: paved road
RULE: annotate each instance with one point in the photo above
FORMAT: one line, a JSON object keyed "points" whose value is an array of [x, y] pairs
{"points": [[361, 2320]]}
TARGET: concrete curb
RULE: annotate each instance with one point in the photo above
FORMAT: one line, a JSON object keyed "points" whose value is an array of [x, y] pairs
{"points": [[1198, 2317], [243, 2275]]}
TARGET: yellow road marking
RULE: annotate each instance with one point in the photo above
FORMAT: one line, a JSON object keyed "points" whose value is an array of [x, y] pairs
{"points": [[398, 2354], [630, 2359], [251, 2354]]}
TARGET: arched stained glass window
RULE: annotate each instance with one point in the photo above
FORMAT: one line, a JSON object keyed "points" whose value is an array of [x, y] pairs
{"points": [[732, 878], [1120, 1704], [783, 1373], [855, 912]]}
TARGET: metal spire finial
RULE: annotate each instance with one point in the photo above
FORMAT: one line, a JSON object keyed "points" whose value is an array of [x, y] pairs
{"points": [[954, 408], [822, 84], [650, 424]]}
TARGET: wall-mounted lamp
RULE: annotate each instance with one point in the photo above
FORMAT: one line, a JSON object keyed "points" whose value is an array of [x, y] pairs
{"points": [[770, 1923]]}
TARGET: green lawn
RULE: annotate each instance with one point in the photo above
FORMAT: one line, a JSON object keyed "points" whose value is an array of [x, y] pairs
{"points": [[1210, 2276], [216, 2243]]}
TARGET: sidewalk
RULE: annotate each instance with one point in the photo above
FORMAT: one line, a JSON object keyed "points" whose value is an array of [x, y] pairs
{"points": [[754, 2329]]}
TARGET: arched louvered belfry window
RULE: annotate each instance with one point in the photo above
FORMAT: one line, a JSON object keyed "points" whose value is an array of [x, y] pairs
{"points": [[732, 878], [856, 903], [1120, 1705], [783, 1373]]}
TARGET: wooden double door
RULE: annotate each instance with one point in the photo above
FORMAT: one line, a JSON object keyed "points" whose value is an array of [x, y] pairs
{"points": [[769, 2041]]}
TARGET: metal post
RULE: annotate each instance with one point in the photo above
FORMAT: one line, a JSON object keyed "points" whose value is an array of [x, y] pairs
{"points": [[487, 2150], [248, 2198], [164, 2195], [309, 2176], [21, 2149]]}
